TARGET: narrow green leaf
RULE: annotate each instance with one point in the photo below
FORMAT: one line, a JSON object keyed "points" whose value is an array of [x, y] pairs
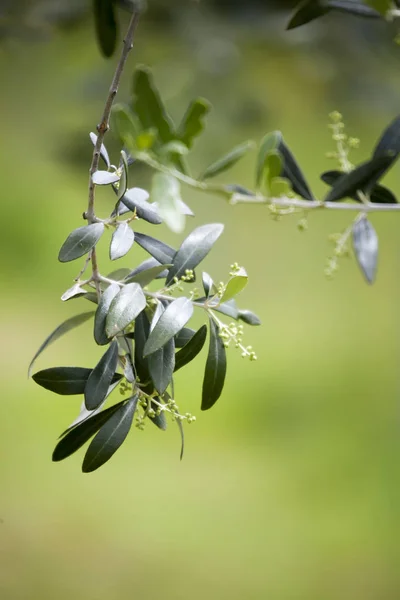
{"points": [[389, 142], [228, 308], [307, 11], [118, 274], [165, 192], [100, 378], [214, 376], [124, 309], [160, 251], [292, 172], [104, 178], [194, 249], [248, 317], [376, 8], [161, 362], [148, 107], [208, 285], [227, 161], [183, 337], [123, 182], [66, 381], [80, 242], [100, 317], [103, 150], [79, 435], [363, 179], [269, 143], [160, 420], [105, 25], [235, 285], [59, 332], [136, 200], [192, 123], [365, 244], [73, 292], [378, 194], [142, 330], [175, 317], [191, 349], [122, 241], [145, 277], [124, 125], [110, 437], [181, 432]]}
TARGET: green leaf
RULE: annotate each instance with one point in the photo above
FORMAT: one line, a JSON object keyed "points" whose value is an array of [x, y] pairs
{"points": [[192, 123], [292, 172], [124, 309], [105, 25], [145, 277], [272, 167], [66, 381], [307, 11], [194, 249], [110, 437], [160, 251], [175, 317], [180, 427], [208, 285], [363, 178], [148, 107], [248, 317], [183, 337], [227, 161], [101, 377], [280, 186], [269, 143], [103, 150], [61, 330], [165, 191], [142, 330], [79, 435], [160, 420], [235, 285], [122, 241], [228, 308], [100, 317], [104, 178], [123, 182], [378, 194], [136, 200], [365, 244], [389, 143], [161, 362], [191, 349], [214, 376], [73, 292], [124, 126], [379, 7], [80, 242], [118, 274]]}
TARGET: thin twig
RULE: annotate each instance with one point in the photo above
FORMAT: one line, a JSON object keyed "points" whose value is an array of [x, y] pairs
{"points": [[102, 129]]}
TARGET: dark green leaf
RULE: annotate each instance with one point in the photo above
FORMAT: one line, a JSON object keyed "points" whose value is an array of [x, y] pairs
{"points": [[142, 330], [248, 317], [354, 8], [66, 381], [293, 173], [103, 307], [80, 242], [191, 349], [227, 161], [194, 249], [228, 308], [193, 121], [379, 193], [121, 242], [59, 332], [79, 435], [183, 337], [125, 307], [269, 143], [148, 107], [101, 377], [160, 420], [363, 179], [136, 200], [365, 244], [389, 142], [160, 251], [118, 274], [103, 150], [110, 437], [145, 277], [307, 11], [161, 362], [106, 25], [214, 376], [175, 317]]}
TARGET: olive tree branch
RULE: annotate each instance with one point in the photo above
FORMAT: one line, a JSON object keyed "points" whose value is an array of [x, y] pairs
{"points": [[102, 129]]}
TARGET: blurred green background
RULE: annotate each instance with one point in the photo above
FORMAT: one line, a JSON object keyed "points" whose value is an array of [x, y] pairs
{"points": [[289, 488]]}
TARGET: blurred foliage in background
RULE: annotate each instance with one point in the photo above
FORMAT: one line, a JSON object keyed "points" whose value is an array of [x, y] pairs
{"points": [[290, 486]]}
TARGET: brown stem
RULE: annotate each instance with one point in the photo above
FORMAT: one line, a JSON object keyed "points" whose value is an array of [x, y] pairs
{"points": [[102, 129]]}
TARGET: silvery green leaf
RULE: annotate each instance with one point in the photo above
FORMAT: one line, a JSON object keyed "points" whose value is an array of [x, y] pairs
{"points": [[292, 172], [104, 178], [103, 150], [248, 317], [183, 337], [365, 244], [101, 377], [191, 349], [136, 200], [165, 192], [160, 251], [227, 161], [181, 432], [194, 249], [80, 242], [121, 241], [161, 363], [145, 277], [59, 332], [307, 11], [100, 318], [123, 182], [215, 372], [124, 309], [175, 317], [73, 292], [105, 25], [110, 437], [142, 330]]}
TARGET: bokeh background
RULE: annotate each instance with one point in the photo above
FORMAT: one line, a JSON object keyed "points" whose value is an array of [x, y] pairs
{"points": [[289, 488]]}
